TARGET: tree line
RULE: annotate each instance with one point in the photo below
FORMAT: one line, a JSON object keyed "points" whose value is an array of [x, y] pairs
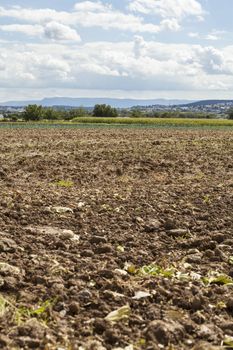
{"points": [[35, 112]]}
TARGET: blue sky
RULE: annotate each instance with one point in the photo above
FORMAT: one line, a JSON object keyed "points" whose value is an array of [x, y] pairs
{"points": [[128, 48]]}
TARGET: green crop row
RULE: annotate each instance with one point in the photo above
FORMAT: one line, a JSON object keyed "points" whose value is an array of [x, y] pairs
{"points": [[163, 122], [155, 121]]}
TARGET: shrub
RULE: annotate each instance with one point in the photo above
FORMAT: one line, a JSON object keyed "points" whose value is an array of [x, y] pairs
{"points": [[104, 111], [230, 114]]}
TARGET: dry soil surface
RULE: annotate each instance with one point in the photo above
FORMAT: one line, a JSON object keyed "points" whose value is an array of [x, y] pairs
{"points": [[116, 239]]}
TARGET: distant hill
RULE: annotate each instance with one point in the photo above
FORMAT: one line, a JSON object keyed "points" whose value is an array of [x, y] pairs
{"points": [[206, 103], [91, 102]]}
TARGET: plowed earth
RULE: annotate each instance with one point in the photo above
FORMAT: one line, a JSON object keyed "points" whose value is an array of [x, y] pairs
{"points": [[90, 219]]}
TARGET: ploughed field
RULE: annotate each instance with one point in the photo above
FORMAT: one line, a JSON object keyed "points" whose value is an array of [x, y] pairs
{"points": [[116, 239]]}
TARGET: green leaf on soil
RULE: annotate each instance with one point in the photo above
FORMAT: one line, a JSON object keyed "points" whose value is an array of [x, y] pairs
{"points": [[43, 307], [220, 279], [221, 305], [120, 249], [23, 313], [228, 342], [207, 199], [3, 304], [64, 183], [155, 270], [119, 314], [142, 342], [230, 260], [130, 268]]}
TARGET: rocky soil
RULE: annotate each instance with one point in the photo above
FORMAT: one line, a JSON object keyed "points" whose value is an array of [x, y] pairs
{"points": [[116, 239]]}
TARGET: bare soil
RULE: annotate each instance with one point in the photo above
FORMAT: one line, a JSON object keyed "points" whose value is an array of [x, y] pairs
{"points": [[90, 219]]}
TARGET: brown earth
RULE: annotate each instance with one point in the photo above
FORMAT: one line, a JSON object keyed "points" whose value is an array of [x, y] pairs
{"points": [[91, 218]]}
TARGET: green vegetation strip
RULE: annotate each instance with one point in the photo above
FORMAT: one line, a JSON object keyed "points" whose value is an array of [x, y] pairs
{"points": [[132, 122], [155, 121]]}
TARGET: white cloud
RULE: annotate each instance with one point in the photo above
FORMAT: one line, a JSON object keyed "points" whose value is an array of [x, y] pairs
{"points": [[30, 15], [51, 30], [94, 14], [168, 8], [213, 61], [53, 60], [215, 35], [193, 35], [58, 31], [211, 37], [171, 24], [28, 29], [86, 6], [124, 65], [2, 64]]}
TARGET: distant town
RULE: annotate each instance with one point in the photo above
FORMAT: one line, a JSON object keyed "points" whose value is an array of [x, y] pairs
{"points": [[217, 108]]}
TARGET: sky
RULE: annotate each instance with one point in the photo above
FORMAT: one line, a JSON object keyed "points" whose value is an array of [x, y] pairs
{"points": [[116, 48]]}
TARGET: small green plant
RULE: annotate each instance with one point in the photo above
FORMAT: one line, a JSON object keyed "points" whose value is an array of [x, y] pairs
{"points": [[149, 270], [43, 307], [23, 313], [64, 183], [141, 342], [207, 199], [219, 279], [155, 270]]}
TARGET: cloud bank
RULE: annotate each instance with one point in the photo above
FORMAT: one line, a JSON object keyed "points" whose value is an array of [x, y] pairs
{"points": [[44, 48]]}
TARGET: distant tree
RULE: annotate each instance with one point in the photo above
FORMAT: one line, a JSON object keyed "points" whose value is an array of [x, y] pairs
{"points": [[76, 113], [33, 112], [11, 116], [50, 114], [5, 115], [104, 110], [166, 114], [230, 114], [136, 113], [14, 118]]}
